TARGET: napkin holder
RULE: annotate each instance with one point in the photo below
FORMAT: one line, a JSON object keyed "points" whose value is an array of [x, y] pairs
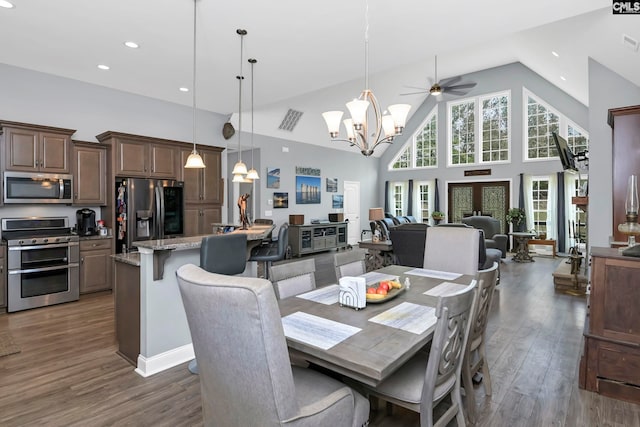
{"points": [[353, 292]]}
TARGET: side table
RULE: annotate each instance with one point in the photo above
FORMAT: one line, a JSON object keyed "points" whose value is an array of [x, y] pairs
{"points": [[379, 254], [521, 244]]}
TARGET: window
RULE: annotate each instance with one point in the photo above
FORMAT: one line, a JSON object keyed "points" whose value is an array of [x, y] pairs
{"points": [[479, 129], [541, 121], [540, 197], [422, 150], [397, 198], [422, 198]]}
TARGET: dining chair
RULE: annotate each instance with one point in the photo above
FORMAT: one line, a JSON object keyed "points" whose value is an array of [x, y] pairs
{"points": [[223, 254], [475, 357], [246, 378], [274, 251], [293, 278], [452, 249], [424, 381], [349, 263]]}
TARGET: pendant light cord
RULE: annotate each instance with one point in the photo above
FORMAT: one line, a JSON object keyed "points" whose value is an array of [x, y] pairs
{"points": [[252, 61], [194, 75], [240, 77], [366, 46]]}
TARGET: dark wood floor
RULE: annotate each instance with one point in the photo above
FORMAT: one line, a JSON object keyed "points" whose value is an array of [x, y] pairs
{"points": [[69, 375]]}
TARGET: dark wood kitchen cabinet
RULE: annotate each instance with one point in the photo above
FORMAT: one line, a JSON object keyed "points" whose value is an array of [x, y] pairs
{"points": [[3, 279], [95, 264], [127, 310], [90, 174], [204, 190], [35, 148]]}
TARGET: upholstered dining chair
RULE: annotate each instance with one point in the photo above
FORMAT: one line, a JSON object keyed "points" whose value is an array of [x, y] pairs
{"points": [[349, 263], [293, 278], [475, 357], [274, 251], [246, 378], [452, 249], [427, 378]]}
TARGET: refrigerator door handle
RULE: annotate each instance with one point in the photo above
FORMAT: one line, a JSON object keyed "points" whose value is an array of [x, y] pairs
{"points": [[159, 211]]}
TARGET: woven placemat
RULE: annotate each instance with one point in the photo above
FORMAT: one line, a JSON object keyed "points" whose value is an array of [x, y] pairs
{"points": [[7, 345]]}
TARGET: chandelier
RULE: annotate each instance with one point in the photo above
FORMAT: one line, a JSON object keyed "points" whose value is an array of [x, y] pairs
{"points": [[362, 132]]}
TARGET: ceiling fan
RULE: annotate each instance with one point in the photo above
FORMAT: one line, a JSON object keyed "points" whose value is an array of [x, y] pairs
{"points": [[444, 86]]}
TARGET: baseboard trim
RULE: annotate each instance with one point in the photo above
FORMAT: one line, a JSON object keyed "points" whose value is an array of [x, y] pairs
{"points": [[163, 361]]}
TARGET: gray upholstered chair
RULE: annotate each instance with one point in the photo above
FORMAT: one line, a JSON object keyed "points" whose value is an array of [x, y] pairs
{"points": [[475, 357], [428, 377], [349, 263], [246, 378], [492, 233], [453, 249], [293, 278], [274, 251], [408, 241]]}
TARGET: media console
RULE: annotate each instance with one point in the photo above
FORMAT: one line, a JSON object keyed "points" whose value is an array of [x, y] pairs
{"points": [[310, 238]]}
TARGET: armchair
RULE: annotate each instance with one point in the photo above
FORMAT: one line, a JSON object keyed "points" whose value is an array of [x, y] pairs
{"points": [[493, 236]]}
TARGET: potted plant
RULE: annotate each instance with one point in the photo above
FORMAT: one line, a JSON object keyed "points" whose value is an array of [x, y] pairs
{"points": [[437, 216], [516, 217]]}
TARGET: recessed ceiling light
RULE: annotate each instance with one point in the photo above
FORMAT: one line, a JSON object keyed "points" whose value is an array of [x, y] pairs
{"points": [[6, 4], [554, 53], [132, 45], [103, 67], [563, 78], [184, 89]]}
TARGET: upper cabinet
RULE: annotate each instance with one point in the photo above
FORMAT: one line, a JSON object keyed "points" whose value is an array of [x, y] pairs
{"points": [[34, 148], [203, 185], [90, 174], [140, 156]]}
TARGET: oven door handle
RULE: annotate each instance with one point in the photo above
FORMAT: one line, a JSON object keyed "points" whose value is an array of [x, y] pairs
{"points": [[38, 270], [53, 245]]}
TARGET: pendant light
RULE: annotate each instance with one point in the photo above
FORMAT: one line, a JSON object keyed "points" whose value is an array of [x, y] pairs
{"points": [[240, 168], [194, 160], [252, 174]]}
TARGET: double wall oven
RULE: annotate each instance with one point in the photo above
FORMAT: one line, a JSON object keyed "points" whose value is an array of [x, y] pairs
{"points": [[42, 262]]}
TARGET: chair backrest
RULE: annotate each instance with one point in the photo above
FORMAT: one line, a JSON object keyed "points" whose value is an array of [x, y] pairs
{"points": [[349, 263], [283, 240], [293, 278], [408, 241], [224, 253], [410, 218], [401, 220], [238, 339], [487, 280], [488, 224], [263, 221], [453, 313], [453, 249]]}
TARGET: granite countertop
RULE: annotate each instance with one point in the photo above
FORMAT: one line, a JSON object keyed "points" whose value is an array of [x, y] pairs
{"points": [[132, 258], [257, 232]]}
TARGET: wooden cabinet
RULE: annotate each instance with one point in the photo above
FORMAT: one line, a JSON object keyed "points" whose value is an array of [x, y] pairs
{"points": [[95, 265], [90, 174], [3, 280], [310, 238], [610, 363], [141, 159], [34, 148], [127, 310], [625, 124], [204, 191]]}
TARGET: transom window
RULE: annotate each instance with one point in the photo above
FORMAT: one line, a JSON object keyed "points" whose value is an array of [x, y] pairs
{"points": [[479, 129], [422, 150]]}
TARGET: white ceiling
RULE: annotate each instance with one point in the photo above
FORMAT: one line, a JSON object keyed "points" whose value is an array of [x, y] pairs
{"points": [[311, 53]]}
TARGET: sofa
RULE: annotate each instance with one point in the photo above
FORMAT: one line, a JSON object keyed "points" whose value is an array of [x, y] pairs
{"points": [[493, 237]]}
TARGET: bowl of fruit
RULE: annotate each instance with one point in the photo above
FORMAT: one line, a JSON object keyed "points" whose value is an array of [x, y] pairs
{"points": [[384, 291]]}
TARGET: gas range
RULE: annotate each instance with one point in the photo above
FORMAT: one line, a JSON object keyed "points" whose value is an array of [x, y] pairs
{"points": [[36, 231]]}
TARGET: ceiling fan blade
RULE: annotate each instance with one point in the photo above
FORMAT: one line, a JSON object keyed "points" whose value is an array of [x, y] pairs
{"points": [[456, 92], [415, 93], [462, 86], [450, 81], [416, 87]]}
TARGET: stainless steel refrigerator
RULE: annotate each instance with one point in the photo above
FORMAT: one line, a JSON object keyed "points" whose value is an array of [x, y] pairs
{"points": [[147, 209]]}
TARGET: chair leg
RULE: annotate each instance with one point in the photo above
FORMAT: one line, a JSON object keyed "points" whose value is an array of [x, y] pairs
{"points": [[486, 380], [193, 367], [266, 269], [470, 397]]}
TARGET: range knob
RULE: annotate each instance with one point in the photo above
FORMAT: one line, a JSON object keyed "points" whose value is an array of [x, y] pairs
{"points": [[34, 241], [21, 242], [46, 240]]}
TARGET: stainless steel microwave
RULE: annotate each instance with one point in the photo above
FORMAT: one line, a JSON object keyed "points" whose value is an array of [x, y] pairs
{"points": [[34, 187]]}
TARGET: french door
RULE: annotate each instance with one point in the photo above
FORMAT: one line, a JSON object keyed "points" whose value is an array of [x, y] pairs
{"points": [[479, 198]]}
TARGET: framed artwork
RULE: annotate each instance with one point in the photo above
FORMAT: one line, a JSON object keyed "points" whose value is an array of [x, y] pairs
{"points": [[308, 190], [280, 200], [337, 201], [332, 185], [273, 177]]}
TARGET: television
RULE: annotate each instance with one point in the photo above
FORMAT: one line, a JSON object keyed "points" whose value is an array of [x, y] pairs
{"points": [[567, 158]]}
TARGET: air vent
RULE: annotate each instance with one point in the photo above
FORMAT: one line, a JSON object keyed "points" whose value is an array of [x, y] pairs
{"points": [[290, 120], [630, 42]]}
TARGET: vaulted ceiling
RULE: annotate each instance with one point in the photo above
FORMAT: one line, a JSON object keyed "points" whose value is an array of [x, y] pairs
{"points": [[311, 53]]}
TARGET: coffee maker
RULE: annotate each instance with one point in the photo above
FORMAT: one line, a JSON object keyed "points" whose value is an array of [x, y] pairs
{"points": [[86, 222]]}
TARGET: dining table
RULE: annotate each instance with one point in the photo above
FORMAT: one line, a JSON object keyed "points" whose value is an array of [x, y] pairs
{"points": [[371, 343]]}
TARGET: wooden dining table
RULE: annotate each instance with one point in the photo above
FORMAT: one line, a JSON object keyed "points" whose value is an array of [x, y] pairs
{"points": [[377, 350]]}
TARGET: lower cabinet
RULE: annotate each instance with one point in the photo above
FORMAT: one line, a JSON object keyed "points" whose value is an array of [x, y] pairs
{"points": [[95, 265], [3, 280], [127, 310], [310, 238], [198, 219]]}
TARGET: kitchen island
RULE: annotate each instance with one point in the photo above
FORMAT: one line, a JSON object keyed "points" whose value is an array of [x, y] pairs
{"points": [[164, 336]]}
